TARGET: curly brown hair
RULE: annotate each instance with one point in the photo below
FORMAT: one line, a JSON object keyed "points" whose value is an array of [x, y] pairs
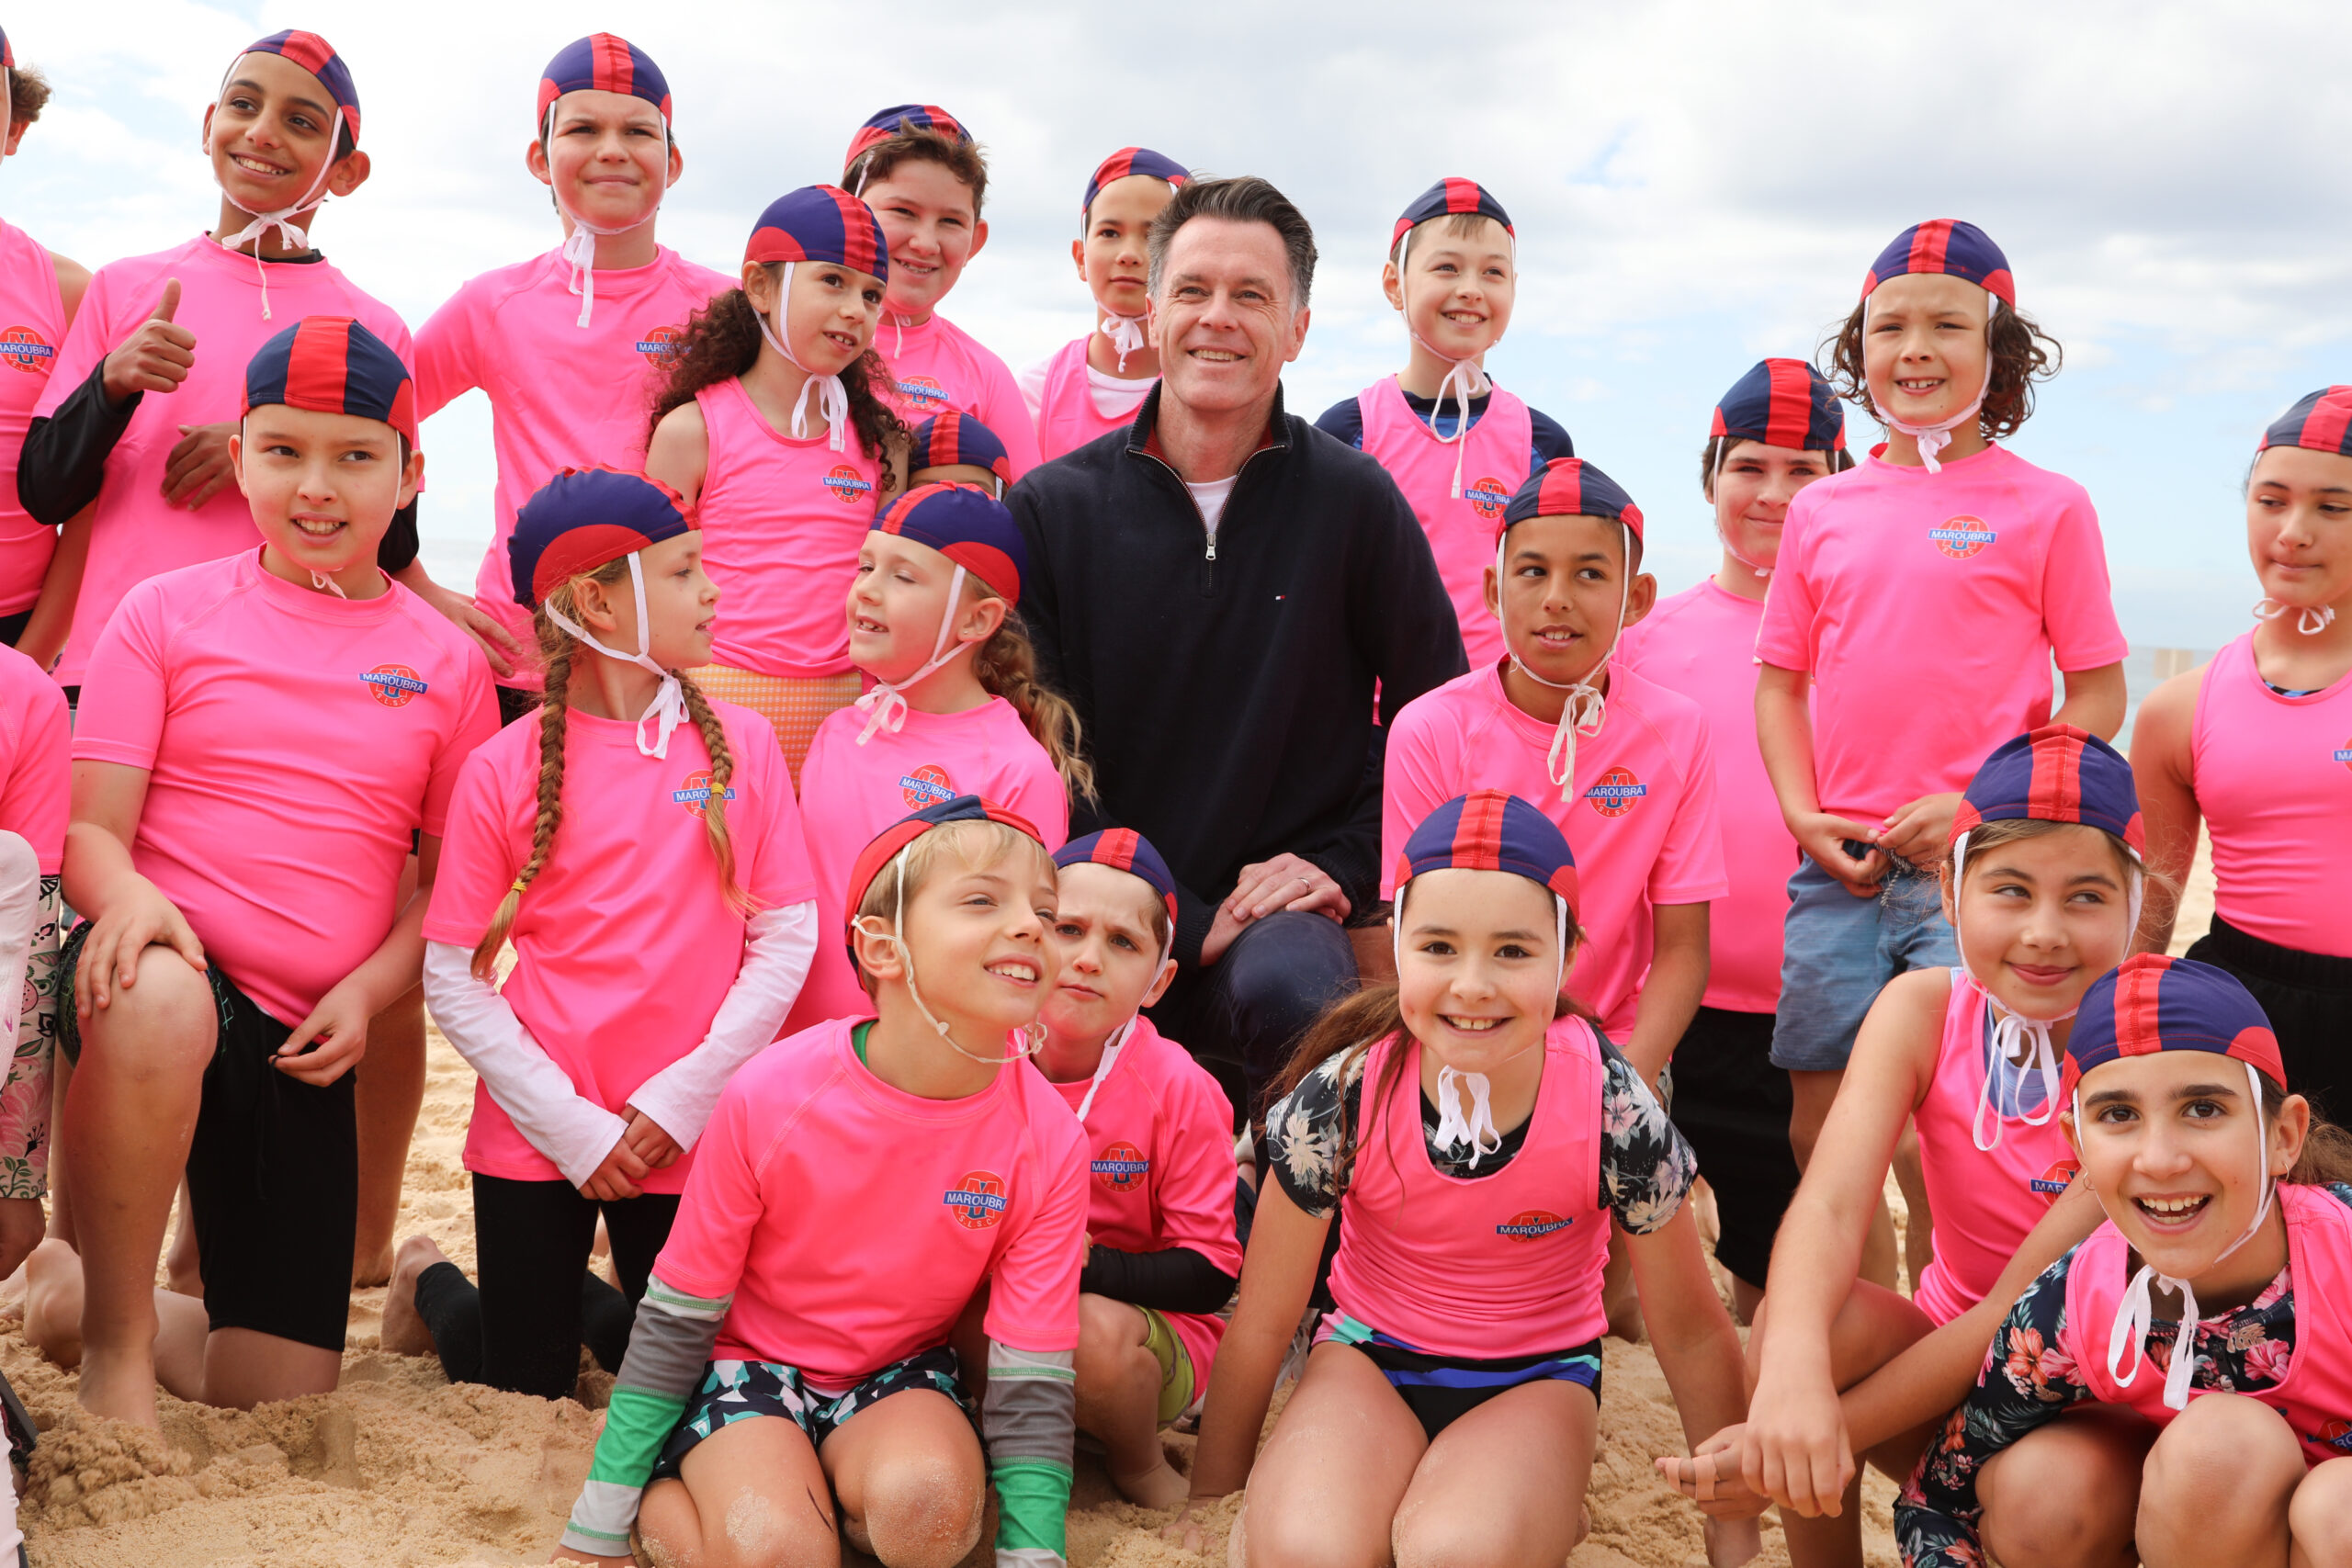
{"points": [[2022, 354], [28, 94], [721, 341]]}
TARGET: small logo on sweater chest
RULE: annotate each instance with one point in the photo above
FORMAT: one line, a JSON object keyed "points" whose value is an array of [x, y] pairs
{"points": [[1616, 792]]}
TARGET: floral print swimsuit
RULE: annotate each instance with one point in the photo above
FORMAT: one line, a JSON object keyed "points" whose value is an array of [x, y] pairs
{"points": [[2028, 1381]]}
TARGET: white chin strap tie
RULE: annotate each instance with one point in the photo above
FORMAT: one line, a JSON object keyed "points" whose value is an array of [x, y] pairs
{"points": [[1934, 438], [2024, 1041], [2138, 1313], [580, 246], [297, 239], [832, 397], [1464, 377], [1032, 1037], [1126, 333], [325, 585], [669, 710], [885, 706], [2310, 623], [1452, 1131], [1588, 706]]}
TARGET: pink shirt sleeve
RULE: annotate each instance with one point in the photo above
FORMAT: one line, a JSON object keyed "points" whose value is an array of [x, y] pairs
{"points": [[1196, 1192], [446, 361], [1413, 783], [709, 1245], [770, 836], [88, 340], [1007, 413], [1042, 797], [1785, 638], [34, 797], [2077, 605], [1689, 864], [1032, 1302], [123, 692], [479, 723], [478, 856]]}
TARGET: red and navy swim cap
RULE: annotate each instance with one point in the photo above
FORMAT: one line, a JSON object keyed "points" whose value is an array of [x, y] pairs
{"points": [[1489, 829], [820, 224], [1131, 161], [897, 121], [1783, 403], [1570, 487], [968, 525], [586, 518], [2154, 1003], [1949, 246], [886, 845], [953, 440], [2057, 774], [603, 62], [333, 365], [2320, 422], [1122, 849], [1450, 198], [317, 56]]}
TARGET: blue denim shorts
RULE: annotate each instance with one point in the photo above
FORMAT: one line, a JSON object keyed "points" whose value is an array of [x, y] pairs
{"points": [[1840, 952]]}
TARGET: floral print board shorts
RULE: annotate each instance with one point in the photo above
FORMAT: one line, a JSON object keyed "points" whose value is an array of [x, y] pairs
{"points": [[738, 1391]]}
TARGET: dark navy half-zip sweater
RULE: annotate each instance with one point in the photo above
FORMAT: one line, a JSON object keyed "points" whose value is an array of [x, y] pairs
{"points": [[1225, 687]]}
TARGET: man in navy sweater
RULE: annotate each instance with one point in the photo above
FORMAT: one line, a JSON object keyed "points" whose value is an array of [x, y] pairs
{"points": [[1220, 589]]}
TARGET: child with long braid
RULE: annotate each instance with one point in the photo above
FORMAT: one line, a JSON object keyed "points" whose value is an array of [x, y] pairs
{"points": [[628, 795]]}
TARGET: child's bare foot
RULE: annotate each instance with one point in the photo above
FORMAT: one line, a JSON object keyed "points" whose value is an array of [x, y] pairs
{"points": [[120, 1385], [1159, 1487], [53, 1302], [404, 1332]]}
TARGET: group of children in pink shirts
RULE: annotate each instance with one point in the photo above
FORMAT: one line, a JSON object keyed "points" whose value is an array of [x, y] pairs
{"points": [[725, 825]]}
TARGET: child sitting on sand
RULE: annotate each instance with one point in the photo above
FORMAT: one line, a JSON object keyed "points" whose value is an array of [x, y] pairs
{"points": [[790, 1376], [1160, 1253]]}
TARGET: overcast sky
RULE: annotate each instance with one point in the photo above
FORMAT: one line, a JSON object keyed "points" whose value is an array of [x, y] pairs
{"points": [[1694, 187]]}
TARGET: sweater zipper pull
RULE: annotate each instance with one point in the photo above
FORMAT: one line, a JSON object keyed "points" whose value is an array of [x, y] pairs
{"points": [[1212, 547]]}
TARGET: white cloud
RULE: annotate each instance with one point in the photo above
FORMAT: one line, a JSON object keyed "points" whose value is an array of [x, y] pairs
{"points": [[1695, 184]]}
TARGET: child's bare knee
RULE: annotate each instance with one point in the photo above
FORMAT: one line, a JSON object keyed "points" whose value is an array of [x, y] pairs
{"points": [[2223, 1455], [922, 1513], [163, 1025]]}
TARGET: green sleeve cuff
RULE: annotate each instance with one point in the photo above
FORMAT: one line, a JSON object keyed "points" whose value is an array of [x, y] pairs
{"points": [[1034, 1512]]}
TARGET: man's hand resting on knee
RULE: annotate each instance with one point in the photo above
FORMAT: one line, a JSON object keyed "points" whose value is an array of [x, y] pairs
{"points": [[1285, 882]]}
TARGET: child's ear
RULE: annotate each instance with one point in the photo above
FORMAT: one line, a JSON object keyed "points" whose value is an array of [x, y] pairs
{"points": [[878, 951], [759, 287], [535, 158], [2288, 1130], [412, 475], [1077, 246], [237, 459], [1166, 977], [1950, 894], [1392, 282], [350, 172], [594, 607], [17, 130], [979, 238], [677, 161], [1494, 593], [1151, 321], [1641, 599], [981, 621]]}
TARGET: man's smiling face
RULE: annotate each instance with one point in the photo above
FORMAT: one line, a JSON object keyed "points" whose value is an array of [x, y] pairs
{"points": [[1224, 318]]}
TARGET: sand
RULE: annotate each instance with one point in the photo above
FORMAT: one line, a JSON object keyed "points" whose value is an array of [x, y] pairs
{"points": [[400, 1468]]}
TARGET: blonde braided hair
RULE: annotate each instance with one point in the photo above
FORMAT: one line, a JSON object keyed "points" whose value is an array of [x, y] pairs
{"points": [[557, 648]]}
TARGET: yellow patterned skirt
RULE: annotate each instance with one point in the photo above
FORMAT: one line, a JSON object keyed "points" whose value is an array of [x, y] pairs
{"points": [[795, 706]]}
